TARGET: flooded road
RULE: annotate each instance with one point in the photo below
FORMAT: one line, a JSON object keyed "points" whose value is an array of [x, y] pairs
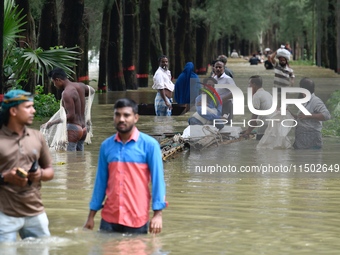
{"points": [[294, 212]]}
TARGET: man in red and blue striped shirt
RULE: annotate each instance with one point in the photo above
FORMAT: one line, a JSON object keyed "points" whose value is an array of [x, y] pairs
{"points": [[127, 162]]}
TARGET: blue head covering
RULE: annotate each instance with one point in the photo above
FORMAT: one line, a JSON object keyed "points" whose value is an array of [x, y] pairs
{"points": [[15, 97], [186, 85]]}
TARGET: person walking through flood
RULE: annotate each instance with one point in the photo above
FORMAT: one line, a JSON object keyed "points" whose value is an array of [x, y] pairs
{"points": [[127, 162], [25, 162], [187, 86], [162, 82]]}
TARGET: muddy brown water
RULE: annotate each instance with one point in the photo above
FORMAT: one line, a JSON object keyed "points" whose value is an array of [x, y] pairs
{"points": [[209, 213]]}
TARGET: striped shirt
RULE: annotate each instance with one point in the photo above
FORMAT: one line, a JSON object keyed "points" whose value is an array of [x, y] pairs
{"points": [[283, 76], [123, 177]]}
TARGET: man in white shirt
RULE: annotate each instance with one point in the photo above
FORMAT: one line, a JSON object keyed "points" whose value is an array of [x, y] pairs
{"points": [[224, 93], [162, 82]]}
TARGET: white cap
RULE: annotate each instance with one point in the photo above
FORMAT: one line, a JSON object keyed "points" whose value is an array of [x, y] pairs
{"points": [[283, 53]]}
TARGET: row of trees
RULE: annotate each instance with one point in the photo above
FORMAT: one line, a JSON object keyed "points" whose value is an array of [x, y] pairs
{"points": [[130, 34]]}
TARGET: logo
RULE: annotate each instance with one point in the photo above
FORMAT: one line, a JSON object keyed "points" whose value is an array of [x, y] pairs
{"points": [[238, 101], [209, 90]]}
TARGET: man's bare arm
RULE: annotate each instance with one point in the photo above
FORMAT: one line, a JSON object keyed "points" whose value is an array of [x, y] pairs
{"points": [[271, 57]]}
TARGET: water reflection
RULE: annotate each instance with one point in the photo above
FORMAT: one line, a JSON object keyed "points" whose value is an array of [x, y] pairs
{"points": [[115, 244]]}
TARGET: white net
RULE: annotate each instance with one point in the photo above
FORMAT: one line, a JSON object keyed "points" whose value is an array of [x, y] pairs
{"points": [[88, 105], [56, 134], [276, 135]]}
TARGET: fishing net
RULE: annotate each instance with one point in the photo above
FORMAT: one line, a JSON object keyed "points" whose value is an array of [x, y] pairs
{"points": [[276, 134], [56, 134]]}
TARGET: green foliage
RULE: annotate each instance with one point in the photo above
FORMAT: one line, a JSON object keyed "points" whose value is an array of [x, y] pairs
{"points": [[332, 127], [12, 24], [19, 62], [302, 63], [45, 105], [42, 61]]}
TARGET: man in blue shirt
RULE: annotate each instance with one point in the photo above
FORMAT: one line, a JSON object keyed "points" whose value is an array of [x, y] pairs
{"points": [[127, 162]]}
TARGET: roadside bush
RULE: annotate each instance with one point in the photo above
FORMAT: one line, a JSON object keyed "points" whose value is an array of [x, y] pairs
{"points": [[332, 126], [45, 104]]}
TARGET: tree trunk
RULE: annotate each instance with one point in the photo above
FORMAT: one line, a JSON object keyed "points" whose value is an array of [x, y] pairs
{"points": [[115, 69], [189, 42], [83, 65], [163, 28], [29, 37], [171, 34], [129, 40], [144, 43], [155, 48], [48, 35], [306, 46], [202, 40], [70, 25], [28, 34], [48, 26], [318, 35], [71, 22], [331, 34], [103, 52], [324, 44], [180, 35]]}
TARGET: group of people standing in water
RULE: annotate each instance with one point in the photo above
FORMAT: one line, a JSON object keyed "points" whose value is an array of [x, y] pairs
{"points": [[188, 90]]}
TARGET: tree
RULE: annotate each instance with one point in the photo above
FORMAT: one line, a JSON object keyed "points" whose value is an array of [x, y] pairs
{"points": [[28, 35], [155, 48], [180, 35], [331, 34], [18, 62], [104, 42], [129, 39], [144, 43], [48, 36], [71, 23], [48, 25], [82, 69], [115, 70], [202, 37], [163, 28]]}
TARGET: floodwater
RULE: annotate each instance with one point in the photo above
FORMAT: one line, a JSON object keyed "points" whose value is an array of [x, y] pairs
{"points": [[294, 212]]}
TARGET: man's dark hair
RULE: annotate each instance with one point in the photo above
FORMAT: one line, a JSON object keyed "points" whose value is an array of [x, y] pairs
{"points": [[57, 73], [222, 58], [257, 80], [213, 62], [161, 57], [126, 102], [308, 84], [219, 61], [4, 117]]}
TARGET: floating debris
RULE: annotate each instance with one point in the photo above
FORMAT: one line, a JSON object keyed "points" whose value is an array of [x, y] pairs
{"points": [[202, 137], [172, 145]]}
